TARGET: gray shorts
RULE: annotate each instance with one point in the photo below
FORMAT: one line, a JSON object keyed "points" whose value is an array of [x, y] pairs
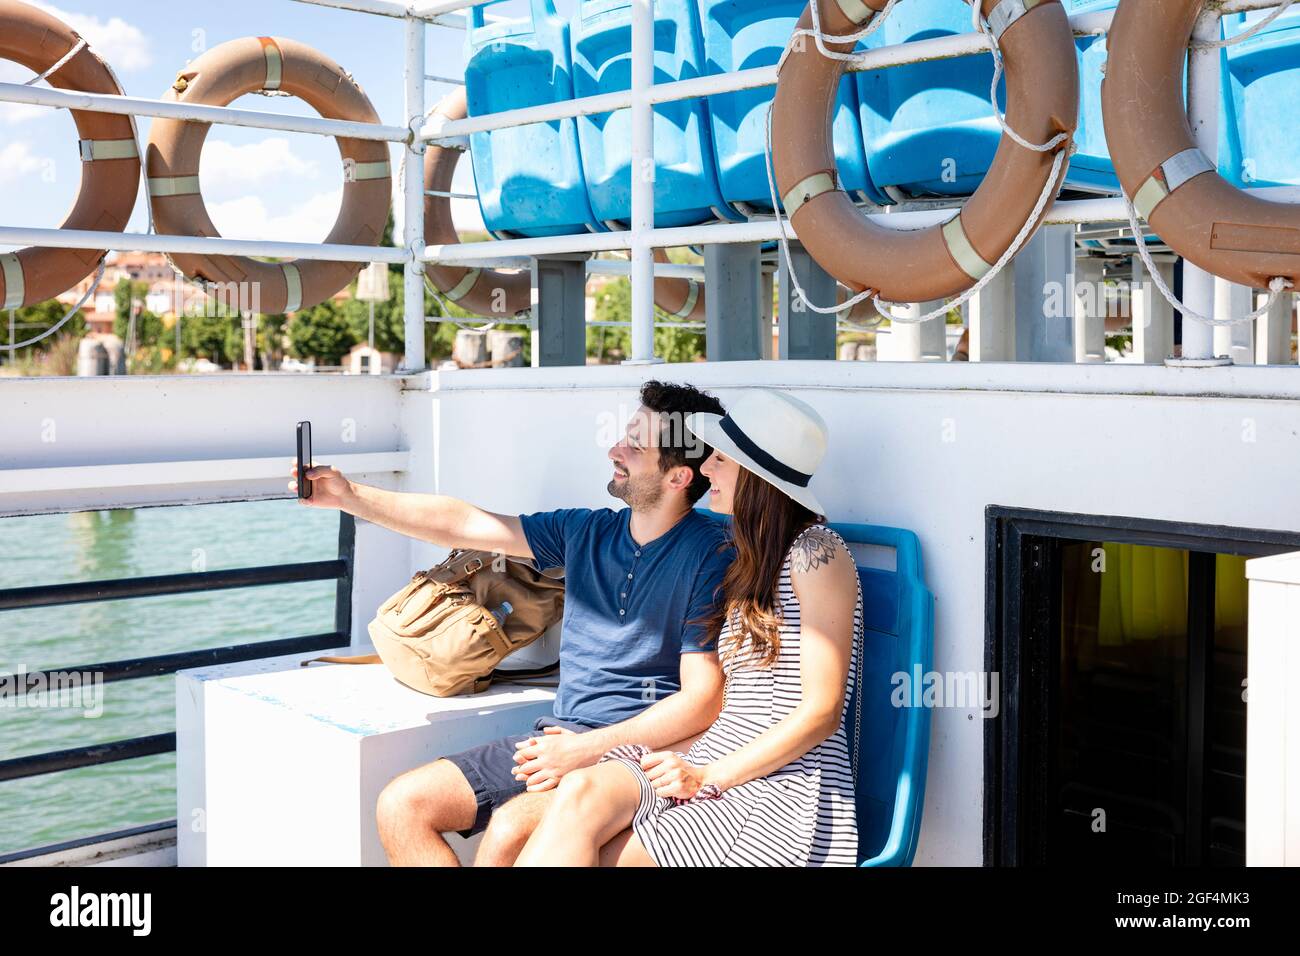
{"points": [[490, 770]]}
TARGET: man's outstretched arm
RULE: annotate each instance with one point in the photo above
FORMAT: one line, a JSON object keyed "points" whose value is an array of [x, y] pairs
{"points": [[675, 719], [438, 519]]}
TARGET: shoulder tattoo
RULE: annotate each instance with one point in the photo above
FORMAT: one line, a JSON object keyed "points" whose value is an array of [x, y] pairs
{"points": [[813, 548]]}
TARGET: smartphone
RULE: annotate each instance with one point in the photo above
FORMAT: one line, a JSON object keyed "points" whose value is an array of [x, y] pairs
{"points": [[304, 459]]}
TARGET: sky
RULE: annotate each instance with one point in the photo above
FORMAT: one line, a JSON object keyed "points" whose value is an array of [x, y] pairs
{"points": [[258, 184]]}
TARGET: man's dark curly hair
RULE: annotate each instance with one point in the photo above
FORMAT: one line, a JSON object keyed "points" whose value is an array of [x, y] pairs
{"points": [[676, 445]]}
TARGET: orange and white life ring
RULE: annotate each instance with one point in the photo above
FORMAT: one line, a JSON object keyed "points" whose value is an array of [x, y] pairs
{"points": [[490, 292], [1173, 185], [219, 77], [924, 264], [681, 298], [110, 160]]}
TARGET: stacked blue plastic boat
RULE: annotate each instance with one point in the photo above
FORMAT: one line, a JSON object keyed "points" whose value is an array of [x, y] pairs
{"points": [[920, 130]]}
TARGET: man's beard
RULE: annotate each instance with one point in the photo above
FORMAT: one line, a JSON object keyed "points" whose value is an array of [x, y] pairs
{"points": [[640, 493]]}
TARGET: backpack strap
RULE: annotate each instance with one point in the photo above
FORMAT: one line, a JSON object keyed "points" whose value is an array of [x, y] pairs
{"points": [[500, 673], [506, 676], [359, 659], [525, 676]]}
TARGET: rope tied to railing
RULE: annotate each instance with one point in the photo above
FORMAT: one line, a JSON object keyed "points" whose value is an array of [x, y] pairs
{"points": [[819, 37], [1245, 34], [980, 25]]}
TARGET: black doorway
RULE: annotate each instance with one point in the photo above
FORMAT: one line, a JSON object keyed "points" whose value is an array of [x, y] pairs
{"points": [[1120, 645]]}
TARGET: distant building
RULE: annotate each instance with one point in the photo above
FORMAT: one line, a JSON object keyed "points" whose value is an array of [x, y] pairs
{"points": [[101, 309], [101, 354], [363, 360], [169, 293]]}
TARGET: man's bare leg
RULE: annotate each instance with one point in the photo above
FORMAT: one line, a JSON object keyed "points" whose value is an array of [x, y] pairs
{"points": [[418, 807], [625, 850], [510, 828], [591, 807]]}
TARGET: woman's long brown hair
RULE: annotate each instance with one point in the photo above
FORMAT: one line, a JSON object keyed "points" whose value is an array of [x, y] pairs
{"points": [[764, 524]]}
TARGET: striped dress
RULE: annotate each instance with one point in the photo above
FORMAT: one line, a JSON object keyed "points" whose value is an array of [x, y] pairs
{"points": [[799, 815]]}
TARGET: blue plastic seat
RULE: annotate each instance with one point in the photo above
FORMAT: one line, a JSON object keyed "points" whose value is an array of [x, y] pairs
{"points": [[1261, 85], [894, 745], [929, 128], [686, 182], [898, 612], [741, 35], [1091, 167], [528, 178]]}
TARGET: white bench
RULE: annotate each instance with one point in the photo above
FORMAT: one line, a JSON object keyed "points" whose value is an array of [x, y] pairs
{"points": [[279, 764]]}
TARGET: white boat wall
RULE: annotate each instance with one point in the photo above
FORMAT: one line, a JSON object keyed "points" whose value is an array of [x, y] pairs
{"points": [[278, 763], [914, 445]]}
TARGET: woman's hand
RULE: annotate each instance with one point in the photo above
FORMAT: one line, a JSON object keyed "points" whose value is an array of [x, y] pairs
{"points": [[329, 489], [671, 775]]}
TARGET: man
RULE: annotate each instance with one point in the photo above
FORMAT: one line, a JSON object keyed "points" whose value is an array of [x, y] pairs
{"points": [[636, 664]]}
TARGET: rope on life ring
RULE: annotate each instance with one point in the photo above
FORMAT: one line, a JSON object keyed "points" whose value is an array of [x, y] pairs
{"points": [[110, 158], [963, 254], [217, 78], [1166, 178]]}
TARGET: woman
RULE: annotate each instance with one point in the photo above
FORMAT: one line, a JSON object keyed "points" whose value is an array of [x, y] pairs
{"points": [[769, 783]]}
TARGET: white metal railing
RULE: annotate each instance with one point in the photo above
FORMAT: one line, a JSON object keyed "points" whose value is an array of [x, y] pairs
{"points": [[229, 115], [642, 237]]}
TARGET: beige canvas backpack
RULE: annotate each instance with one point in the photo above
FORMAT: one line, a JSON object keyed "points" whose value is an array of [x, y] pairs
{"points": [[445, 632]]}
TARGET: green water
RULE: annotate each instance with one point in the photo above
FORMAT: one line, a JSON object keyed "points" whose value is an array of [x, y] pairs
{"points": [[56, 549]]}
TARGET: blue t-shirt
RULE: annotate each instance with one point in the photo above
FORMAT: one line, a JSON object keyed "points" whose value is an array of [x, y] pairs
{"points": [[626, 606]]}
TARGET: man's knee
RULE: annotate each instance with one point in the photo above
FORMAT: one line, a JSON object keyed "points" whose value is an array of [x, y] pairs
{"points": [[510, 827], [435, 796]]}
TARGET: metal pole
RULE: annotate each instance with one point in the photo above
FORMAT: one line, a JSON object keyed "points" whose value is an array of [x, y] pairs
{"points": [[643, 182], [1203, 81], [413, 223], [178, 304], [143, 106], [196, 245]]}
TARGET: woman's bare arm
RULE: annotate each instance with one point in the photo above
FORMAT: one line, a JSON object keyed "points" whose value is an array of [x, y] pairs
{"points": [[824, 577]]}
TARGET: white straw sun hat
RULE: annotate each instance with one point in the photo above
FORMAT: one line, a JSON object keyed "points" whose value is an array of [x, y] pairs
{"points": [[776, 436]]}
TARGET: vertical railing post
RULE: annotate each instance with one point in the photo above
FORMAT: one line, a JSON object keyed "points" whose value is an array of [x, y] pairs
{"points": [[1273, 332], [1091, 306], [643, 183], [1044, 296], [1237, 342], [1203, 81], [805, 334], [735, 325], [1153, 316], [413, 200], [991, 318]]}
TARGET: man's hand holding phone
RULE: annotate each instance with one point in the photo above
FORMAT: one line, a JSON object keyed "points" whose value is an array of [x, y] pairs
{"points": [[321, 485], [329, 489]]}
